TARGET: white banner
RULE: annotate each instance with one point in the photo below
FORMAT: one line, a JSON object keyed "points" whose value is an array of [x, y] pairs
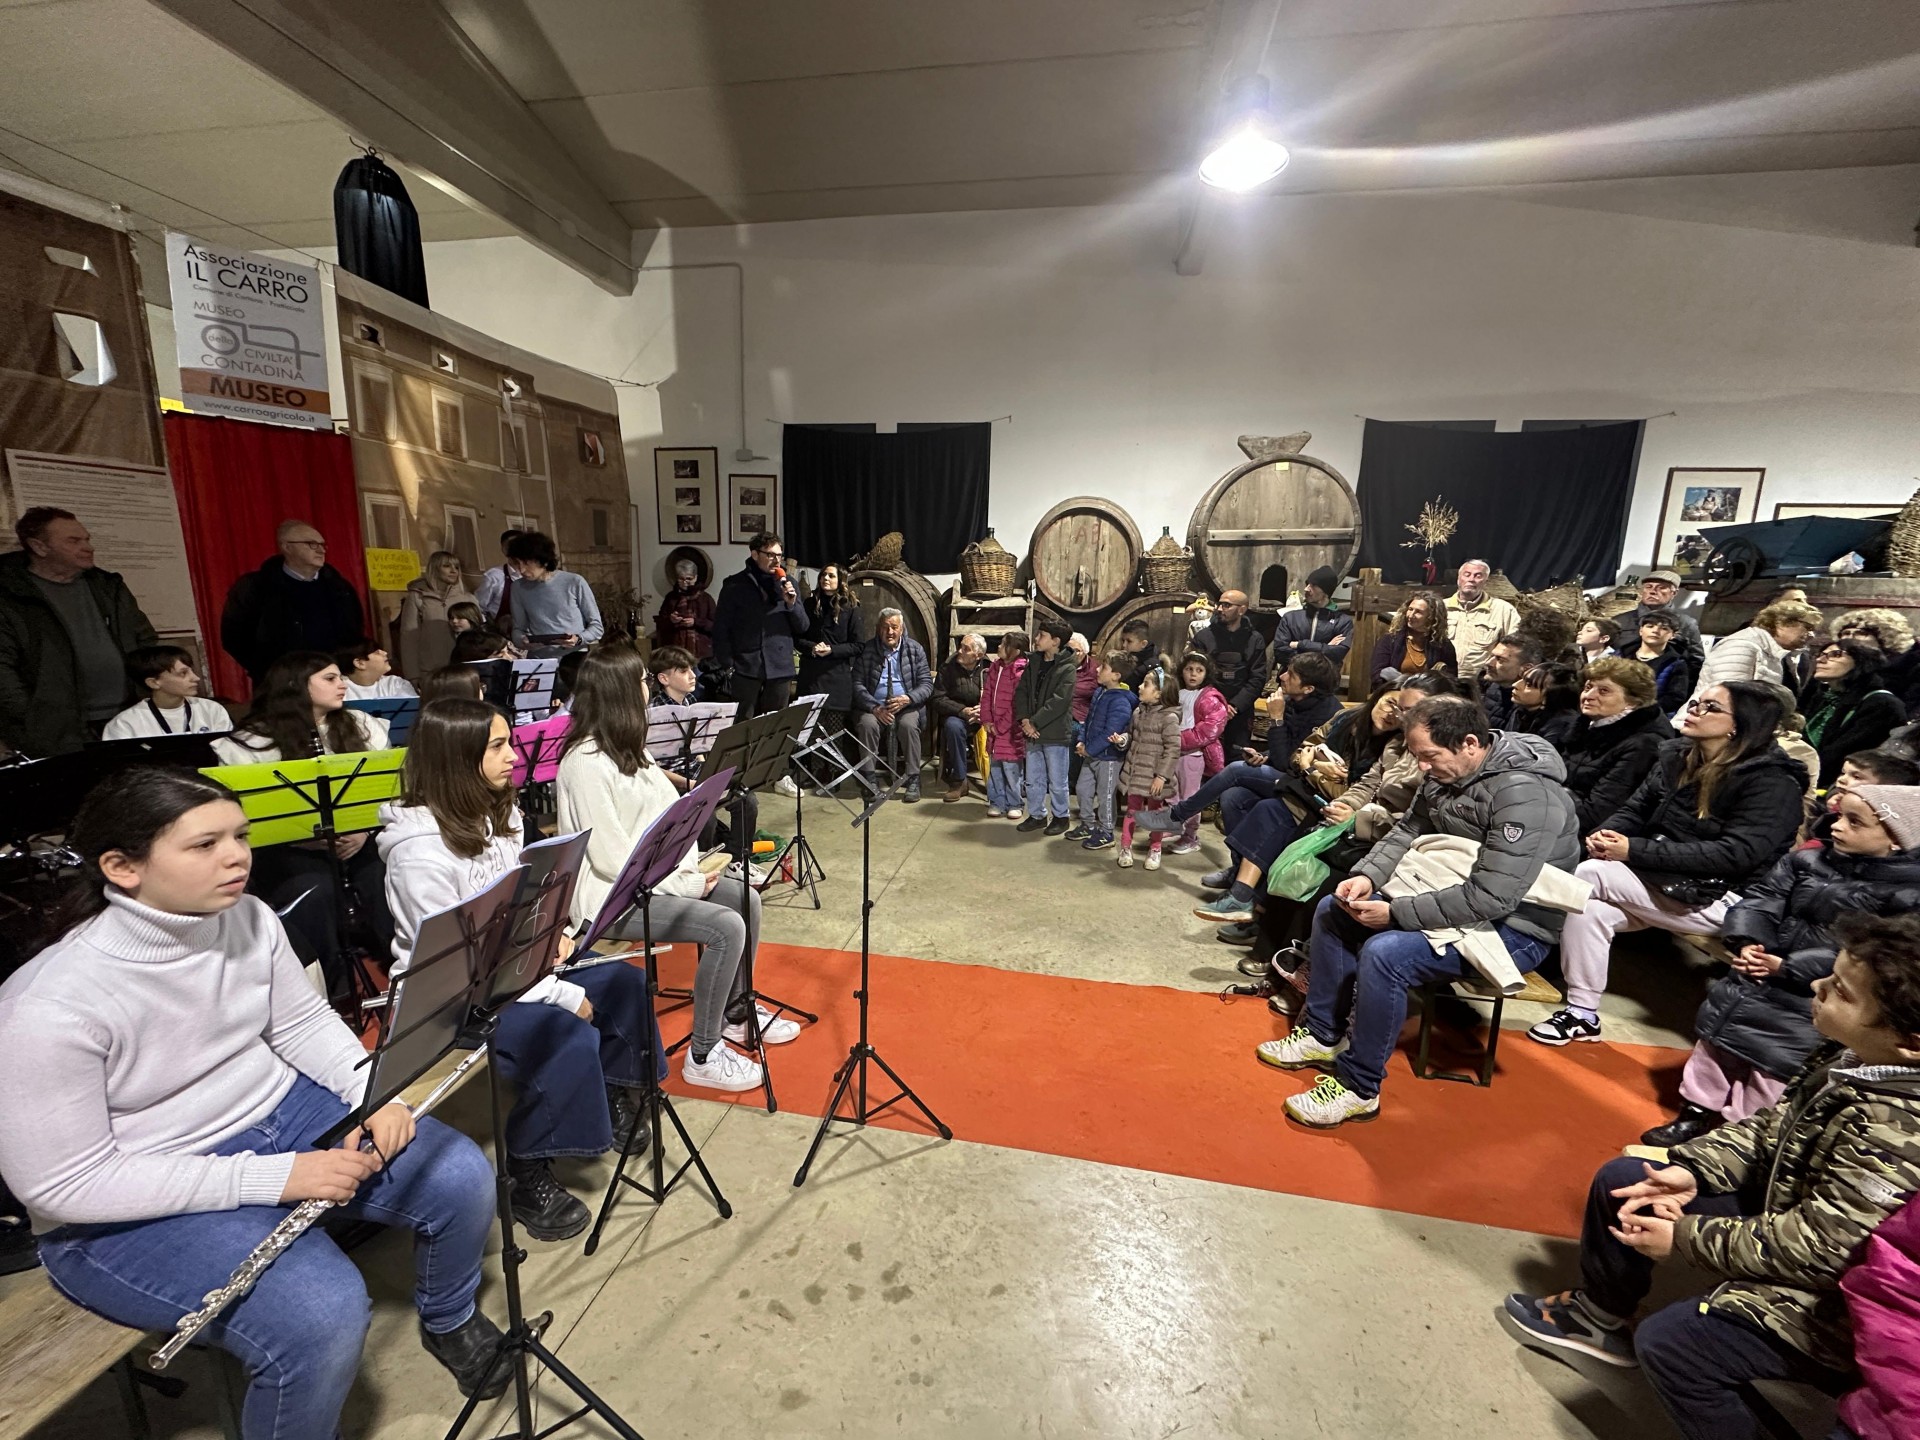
{"points": [[251, 335], [133, 517]]}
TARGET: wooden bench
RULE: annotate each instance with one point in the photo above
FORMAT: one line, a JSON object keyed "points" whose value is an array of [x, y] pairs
{"points": [[51, 1349], [1477, 991]]}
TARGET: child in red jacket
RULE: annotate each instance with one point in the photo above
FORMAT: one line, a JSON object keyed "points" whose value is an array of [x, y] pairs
{"points": [[1203, 719], [1006, 746]]}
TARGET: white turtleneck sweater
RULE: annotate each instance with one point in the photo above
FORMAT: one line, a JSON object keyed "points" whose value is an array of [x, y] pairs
{"points": [[141, 1041]]}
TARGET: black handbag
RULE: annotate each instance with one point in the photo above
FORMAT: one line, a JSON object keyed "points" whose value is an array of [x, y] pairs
{"points": [[1690, 890]]}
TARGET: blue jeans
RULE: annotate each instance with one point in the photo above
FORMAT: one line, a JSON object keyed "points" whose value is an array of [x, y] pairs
{"points": [[956, 740], [1047, 777], [298, 1332], [1262, 781], [1367, 974], [1006, 784], [1098, 781], [560, 1065], [1265, 831]]}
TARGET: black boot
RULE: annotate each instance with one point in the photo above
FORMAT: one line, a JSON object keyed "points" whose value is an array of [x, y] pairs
{"points": [[470, 1353], [626, 1114], [1691, 1123], [541, 1203]]}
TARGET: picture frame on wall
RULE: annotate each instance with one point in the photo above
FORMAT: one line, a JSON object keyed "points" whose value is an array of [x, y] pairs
{"points": [[1793, 510], [753, 506], [1699, 497], [687, 494]]}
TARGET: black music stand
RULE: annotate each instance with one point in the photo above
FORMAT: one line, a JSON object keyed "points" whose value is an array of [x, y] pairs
{"points": [[805, 872], [41, 797], [758, 751], [656, 854], [510, 933], [862, 1054]]}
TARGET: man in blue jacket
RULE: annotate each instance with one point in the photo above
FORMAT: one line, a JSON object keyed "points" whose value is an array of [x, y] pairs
{"points": [[1316, 628], [891, 685], [755, 625]]}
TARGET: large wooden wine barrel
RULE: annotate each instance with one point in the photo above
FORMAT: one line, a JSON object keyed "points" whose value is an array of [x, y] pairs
{"points": [[1274, 521], [1085, 553], [906, 591], [1167, 614]]}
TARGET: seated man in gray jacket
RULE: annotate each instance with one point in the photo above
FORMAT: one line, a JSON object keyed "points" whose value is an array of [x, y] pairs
{"points": [[1504, 793]]}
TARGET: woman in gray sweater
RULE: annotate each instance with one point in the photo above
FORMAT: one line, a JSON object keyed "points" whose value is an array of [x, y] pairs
{"points": [[167, 1067], [553, 609]]}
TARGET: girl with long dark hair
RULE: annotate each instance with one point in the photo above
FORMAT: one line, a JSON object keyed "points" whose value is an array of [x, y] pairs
{"points": [[572, 1048], [1721, 804], [1847, 708], [299, 713], [834, 637], [609, 784], [167, 1065]]}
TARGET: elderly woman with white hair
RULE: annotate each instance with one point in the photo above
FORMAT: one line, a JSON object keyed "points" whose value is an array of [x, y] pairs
{"points": [[956, 710]]}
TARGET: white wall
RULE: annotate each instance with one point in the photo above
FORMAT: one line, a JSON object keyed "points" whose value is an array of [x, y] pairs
{"points": [[1793, 352]]}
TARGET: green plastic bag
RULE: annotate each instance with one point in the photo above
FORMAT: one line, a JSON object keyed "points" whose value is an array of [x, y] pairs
{"points": [[1300, 872]]}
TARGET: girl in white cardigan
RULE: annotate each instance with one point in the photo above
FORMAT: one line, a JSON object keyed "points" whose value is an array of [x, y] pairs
{"points": [[572, 1050], [609, 784], [167, 1070]]}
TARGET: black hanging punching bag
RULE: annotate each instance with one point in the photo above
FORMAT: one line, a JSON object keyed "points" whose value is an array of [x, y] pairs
{"points": [[377, 228]]}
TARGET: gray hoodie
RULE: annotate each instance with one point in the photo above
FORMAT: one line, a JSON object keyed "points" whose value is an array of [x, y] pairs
{"points": [[1515, 807]]}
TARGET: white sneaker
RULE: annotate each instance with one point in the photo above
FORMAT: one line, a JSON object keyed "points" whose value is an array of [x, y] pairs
{"points": [[785, 786], [760, 873], [1124, 859], [774, 1030], [726, 1069], [993, 814], [1153, 858], [1016, 813], [1329, 1103], [1298, 1049]]}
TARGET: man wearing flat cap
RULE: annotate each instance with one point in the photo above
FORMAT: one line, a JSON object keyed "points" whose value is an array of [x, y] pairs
{"points": [[1658, 591]]}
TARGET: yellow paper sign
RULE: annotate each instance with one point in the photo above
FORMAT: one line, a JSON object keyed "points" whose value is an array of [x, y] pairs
{"points": [[391, 569]]}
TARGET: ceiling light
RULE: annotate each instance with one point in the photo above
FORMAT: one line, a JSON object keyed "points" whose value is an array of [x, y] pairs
{"points": [[1246, 154]]}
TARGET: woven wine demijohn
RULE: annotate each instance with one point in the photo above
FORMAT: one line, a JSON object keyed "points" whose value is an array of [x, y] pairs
{"points": [[885, 555], [987, 569], [1903, 541], [1167, 567]]}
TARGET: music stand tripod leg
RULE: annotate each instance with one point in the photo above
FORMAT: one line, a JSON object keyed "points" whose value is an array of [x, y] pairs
{"points": [[658, 1105]]}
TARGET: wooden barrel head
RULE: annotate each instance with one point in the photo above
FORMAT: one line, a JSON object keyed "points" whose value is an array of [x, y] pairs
{"points": [[906, 591], [1166, 614], [1266, 525], [1085, 553]]}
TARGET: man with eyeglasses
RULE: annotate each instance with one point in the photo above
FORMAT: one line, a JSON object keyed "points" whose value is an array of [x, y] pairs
{"points": [[756, 624], [1239, 654], [294, 601]]}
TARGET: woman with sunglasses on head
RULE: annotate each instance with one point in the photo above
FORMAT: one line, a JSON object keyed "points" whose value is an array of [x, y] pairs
{"points": [[168, 1070], [1722, 803], [574, 1048], [1847, 708], [299, 713]]}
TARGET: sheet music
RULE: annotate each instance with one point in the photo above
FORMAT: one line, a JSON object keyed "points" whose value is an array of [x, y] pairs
{"points": [[677, 731], [533, 686]]}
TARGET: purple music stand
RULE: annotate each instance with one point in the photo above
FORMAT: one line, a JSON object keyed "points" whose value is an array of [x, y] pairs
{"points": [[656, 854], [536, 748]]}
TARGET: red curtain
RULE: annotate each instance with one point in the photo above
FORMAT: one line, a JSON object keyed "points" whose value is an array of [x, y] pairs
{"points": [[236, 481]]}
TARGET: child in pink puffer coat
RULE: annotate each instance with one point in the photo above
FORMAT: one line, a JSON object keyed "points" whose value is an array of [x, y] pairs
{"points": [[1203, 719], [1006, 746], [1883, 1294]]}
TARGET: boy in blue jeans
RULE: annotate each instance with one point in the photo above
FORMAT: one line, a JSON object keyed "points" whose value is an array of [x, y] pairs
{"points": [[1108, 714], [1043, 708]]}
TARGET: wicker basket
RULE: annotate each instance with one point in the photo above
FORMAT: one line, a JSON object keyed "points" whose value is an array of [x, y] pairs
{"points": [[1167, 567], [885, 555], [1903, 541], [987, 569]]}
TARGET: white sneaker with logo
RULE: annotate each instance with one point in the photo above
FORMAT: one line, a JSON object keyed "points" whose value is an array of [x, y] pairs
{"points": [[725, 1069], [774, 1030]]}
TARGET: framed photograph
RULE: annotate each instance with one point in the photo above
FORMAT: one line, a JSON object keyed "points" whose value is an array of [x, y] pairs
{"points": [[753, 506], [593, 449], [1697, 498], [1785, 511], [686, 487]]}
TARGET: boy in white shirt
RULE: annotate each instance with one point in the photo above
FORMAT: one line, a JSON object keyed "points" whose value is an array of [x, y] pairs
{"points": [[369, 673], [172, 706]]}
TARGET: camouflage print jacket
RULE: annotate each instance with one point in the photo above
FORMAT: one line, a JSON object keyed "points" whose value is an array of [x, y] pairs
{"points": [[1837, 1155]]}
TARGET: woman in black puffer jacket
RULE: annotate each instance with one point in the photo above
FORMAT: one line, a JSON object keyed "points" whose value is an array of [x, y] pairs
{"points": [[1756, 1027], [1615, 740], [1847, 708], [1719, 807]]}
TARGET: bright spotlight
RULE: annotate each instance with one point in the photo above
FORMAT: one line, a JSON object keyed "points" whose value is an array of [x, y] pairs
{"points": [[1246, 155]]}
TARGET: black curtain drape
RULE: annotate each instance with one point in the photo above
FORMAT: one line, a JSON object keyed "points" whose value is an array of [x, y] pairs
{"points": [[845, 490], [377, 228], [1543, 506]]}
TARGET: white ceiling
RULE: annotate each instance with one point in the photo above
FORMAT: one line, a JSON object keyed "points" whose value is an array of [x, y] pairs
{"points": [[691, 112]]}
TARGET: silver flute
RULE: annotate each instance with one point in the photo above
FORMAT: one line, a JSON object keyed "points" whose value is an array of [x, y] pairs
{"points": [[292, 1226]]}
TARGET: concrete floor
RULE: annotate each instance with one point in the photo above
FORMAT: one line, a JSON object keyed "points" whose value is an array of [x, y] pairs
{"points": [[927, 1289]]}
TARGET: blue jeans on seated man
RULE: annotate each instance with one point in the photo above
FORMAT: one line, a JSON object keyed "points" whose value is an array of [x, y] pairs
{"points": [[956, 749], [1365, 975], [560, 1065], [298, 1332], [1262, 781], [1266, 830]]}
